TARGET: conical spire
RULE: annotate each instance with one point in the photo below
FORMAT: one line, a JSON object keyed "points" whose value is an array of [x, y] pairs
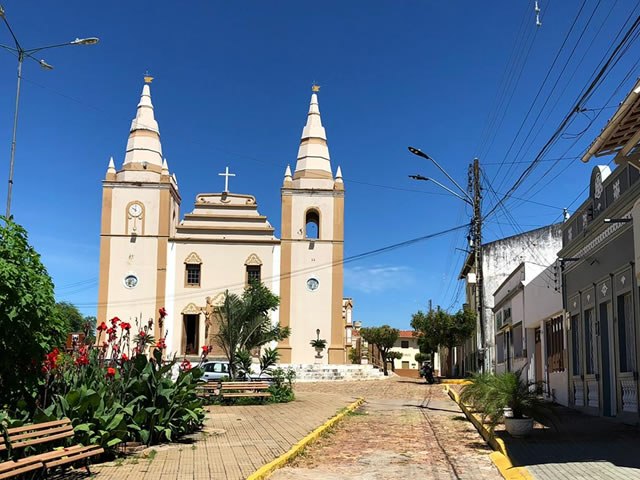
{"points": [[165, 167], [143, 147], [287, 175], [111, 170], [313, 154]]}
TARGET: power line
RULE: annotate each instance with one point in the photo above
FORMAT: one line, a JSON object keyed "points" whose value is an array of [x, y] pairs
{"points": [[344, 261], [622, 46]]}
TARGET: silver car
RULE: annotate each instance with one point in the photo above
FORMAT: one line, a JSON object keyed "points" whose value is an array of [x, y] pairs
{"points": [[215, 370]]}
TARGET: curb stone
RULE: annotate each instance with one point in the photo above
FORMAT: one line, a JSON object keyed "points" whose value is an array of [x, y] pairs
{"points": [[266, 470], [500, 456]]}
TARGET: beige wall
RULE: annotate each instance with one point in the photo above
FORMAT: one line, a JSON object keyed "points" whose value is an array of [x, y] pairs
{"points": [[223, 267], [125, 253], [321, 309]]}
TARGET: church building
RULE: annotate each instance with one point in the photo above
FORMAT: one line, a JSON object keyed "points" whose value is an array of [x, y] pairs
{"points": [[151, 258]]}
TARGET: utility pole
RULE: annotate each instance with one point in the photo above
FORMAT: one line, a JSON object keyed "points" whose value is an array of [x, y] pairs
{"points": [[477, 251]]}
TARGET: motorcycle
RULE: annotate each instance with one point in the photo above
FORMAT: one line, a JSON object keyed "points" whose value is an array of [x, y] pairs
{"points": [[427, 373]]}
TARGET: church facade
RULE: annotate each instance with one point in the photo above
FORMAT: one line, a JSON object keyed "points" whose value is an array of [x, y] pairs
{"points": [[150, 258]]}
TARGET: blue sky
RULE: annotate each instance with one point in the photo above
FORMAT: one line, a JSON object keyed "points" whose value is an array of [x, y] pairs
{"points": [[232, 85]]}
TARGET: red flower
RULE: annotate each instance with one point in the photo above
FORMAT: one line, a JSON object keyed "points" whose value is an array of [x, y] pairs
{"points": [[51, 361], [102, 327], [82, 360], [115, 348], [111, 330], [142, 334], [160, 343], [163, 312], [185, 366], [111, 372], [124, 357], [205, 349], [114, 321], [125, 325]]}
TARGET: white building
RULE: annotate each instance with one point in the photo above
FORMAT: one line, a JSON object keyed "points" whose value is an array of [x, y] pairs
{"points": [[528, 319], [499, 259], [150, 258]]}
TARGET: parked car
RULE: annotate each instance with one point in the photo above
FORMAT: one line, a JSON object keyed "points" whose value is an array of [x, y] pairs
{"points": [[215, 370]]}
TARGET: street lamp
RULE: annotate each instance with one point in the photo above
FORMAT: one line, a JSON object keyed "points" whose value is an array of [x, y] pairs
{"points": [[428, 179], [23, 53], [420, 153], [476, 232]]}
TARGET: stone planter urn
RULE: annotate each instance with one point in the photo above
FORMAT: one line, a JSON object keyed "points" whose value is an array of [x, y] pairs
{"points": [[518, 427]]}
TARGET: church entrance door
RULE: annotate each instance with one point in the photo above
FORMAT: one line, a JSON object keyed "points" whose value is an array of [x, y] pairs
{"points": [[191, 334]]}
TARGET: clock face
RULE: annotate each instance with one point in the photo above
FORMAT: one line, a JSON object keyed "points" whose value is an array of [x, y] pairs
{"points": [[313, 284], [130, 281], [135, 209]]}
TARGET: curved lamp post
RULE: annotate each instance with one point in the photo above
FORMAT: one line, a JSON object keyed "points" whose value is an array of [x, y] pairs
{"points": [[23, 53]]}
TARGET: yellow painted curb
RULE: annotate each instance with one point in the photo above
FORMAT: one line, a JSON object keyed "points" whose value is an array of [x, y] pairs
{"points": [[286, 457], [500, 456], [454, 381]]}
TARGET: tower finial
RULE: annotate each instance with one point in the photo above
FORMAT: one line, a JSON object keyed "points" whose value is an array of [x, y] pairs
{"points": [[147, 78], [315, 88]]}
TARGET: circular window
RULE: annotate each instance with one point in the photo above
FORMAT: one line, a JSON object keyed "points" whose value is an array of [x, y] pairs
{"points": [[130, 281], [313, 284]]}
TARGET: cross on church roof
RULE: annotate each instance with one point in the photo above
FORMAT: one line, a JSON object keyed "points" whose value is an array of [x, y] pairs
{"points": [[226, 176]]}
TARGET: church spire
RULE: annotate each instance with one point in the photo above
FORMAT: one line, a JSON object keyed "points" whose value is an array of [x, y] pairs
{"points": [[313, 155], [144, 150]]}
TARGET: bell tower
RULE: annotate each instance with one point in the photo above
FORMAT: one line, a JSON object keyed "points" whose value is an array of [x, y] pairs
{"points": [[312, 249], [140, 209]]}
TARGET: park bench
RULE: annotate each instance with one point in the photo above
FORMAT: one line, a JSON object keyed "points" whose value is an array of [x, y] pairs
{"points": [[39, 434], [207, 389], [243, 389]]}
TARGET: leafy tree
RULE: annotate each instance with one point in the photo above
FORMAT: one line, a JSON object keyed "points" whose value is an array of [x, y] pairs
{"points": [[383, 338], [245, 324], [69, 314], [439, 328], [28, 324], [391, 356], [425, 329]]}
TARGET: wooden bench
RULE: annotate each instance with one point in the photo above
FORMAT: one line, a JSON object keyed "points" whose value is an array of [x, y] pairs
{"points": [[243, 389], [207, 389], [38, 434]]}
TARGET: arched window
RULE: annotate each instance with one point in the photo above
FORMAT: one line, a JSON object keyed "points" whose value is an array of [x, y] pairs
{"points": [[312, 225]]}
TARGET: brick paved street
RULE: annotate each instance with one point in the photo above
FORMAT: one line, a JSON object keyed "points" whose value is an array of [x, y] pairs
{"points": [[406, 429]]}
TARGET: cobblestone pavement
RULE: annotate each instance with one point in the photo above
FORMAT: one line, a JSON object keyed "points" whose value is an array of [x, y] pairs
{"points": [[406, 429], [236, 441]]}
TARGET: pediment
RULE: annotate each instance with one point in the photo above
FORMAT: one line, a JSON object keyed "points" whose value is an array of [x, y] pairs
{"points": [[191, 309], [253, 259], [193, 259]]}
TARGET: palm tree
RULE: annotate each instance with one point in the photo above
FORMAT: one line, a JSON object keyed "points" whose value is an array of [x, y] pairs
{"points": [[245, 323]]}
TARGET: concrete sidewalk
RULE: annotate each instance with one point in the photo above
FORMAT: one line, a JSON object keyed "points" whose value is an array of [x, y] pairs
{"points": [[236, 441], [583, 447]]}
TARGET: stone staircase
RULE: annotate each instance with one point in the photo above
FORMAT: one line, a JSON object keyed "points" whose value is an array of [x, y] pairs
{"points": [[326, 373]]}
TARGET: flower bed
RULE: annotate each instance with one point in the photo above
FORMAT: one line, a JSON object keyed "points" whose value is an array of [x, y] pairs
{"points": [[118, 391]]}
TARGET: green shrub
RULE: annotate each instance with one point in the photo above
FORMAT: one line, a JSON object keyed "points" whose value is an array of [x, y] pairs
{"points": [[282, 387]]}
